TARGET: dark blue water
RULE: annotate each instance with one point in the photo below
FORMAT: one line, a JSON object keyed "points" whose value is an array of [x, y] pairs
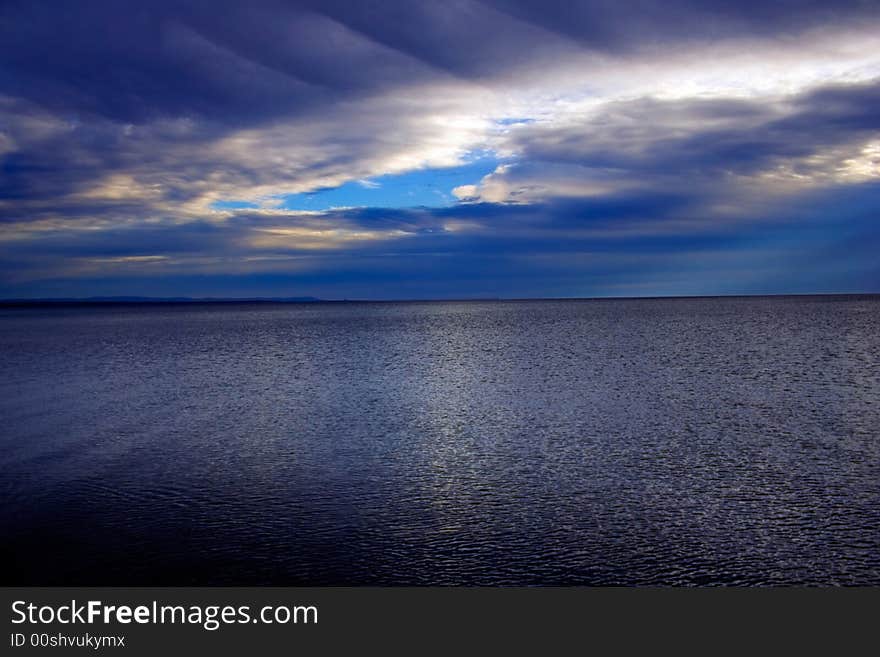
{"points": [[680, 442]]}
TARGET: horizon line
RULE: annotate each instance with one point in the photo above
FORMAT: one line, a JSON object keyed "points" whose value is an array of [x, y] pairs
{"points": [[135, 300]]}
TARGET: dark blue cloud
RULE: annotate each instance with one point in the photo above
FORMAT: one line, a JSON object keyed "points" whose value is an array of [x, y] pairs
{"points": [[560, 248], [236, 62], [127, 128], [607, 24]]}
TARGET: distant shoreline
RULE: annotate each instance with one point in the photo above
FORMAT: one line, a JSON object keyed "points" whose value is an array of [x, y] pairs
{"points": [[140, 301]]}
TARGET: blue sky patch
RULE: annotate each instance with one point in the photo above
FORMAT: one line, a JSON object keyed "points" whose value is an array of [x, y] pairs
{"points": [[423, 188]]}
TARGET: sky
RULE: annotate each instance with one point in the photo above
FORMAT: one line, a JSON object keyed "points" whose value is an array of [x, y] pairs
{"points": [[415, 149]]}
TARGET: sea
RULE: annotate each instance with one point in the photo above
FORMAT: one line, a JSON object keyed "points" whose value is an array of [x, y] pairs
{"points": [[632, 442]]}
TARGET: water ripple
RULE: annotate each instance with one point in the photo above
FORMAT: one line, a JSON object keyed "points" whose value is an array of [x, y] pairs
{"points": [[643, 442]]}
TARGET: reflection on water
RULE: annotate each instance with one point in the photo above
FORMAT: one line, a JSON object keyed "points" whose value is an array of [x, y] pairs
{"points": [[688, 441]]}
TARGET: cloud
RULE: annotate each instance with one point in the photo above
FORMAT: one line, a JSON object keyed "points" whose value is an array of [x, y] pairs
{"points": [[160, 140], [708, 147], [566, 247], [465, 192]]}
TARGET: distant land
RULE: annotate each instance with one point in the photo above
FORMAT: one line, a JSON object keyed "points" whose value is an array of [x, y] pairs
{"points": [[127, 299], [133, 300]]}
